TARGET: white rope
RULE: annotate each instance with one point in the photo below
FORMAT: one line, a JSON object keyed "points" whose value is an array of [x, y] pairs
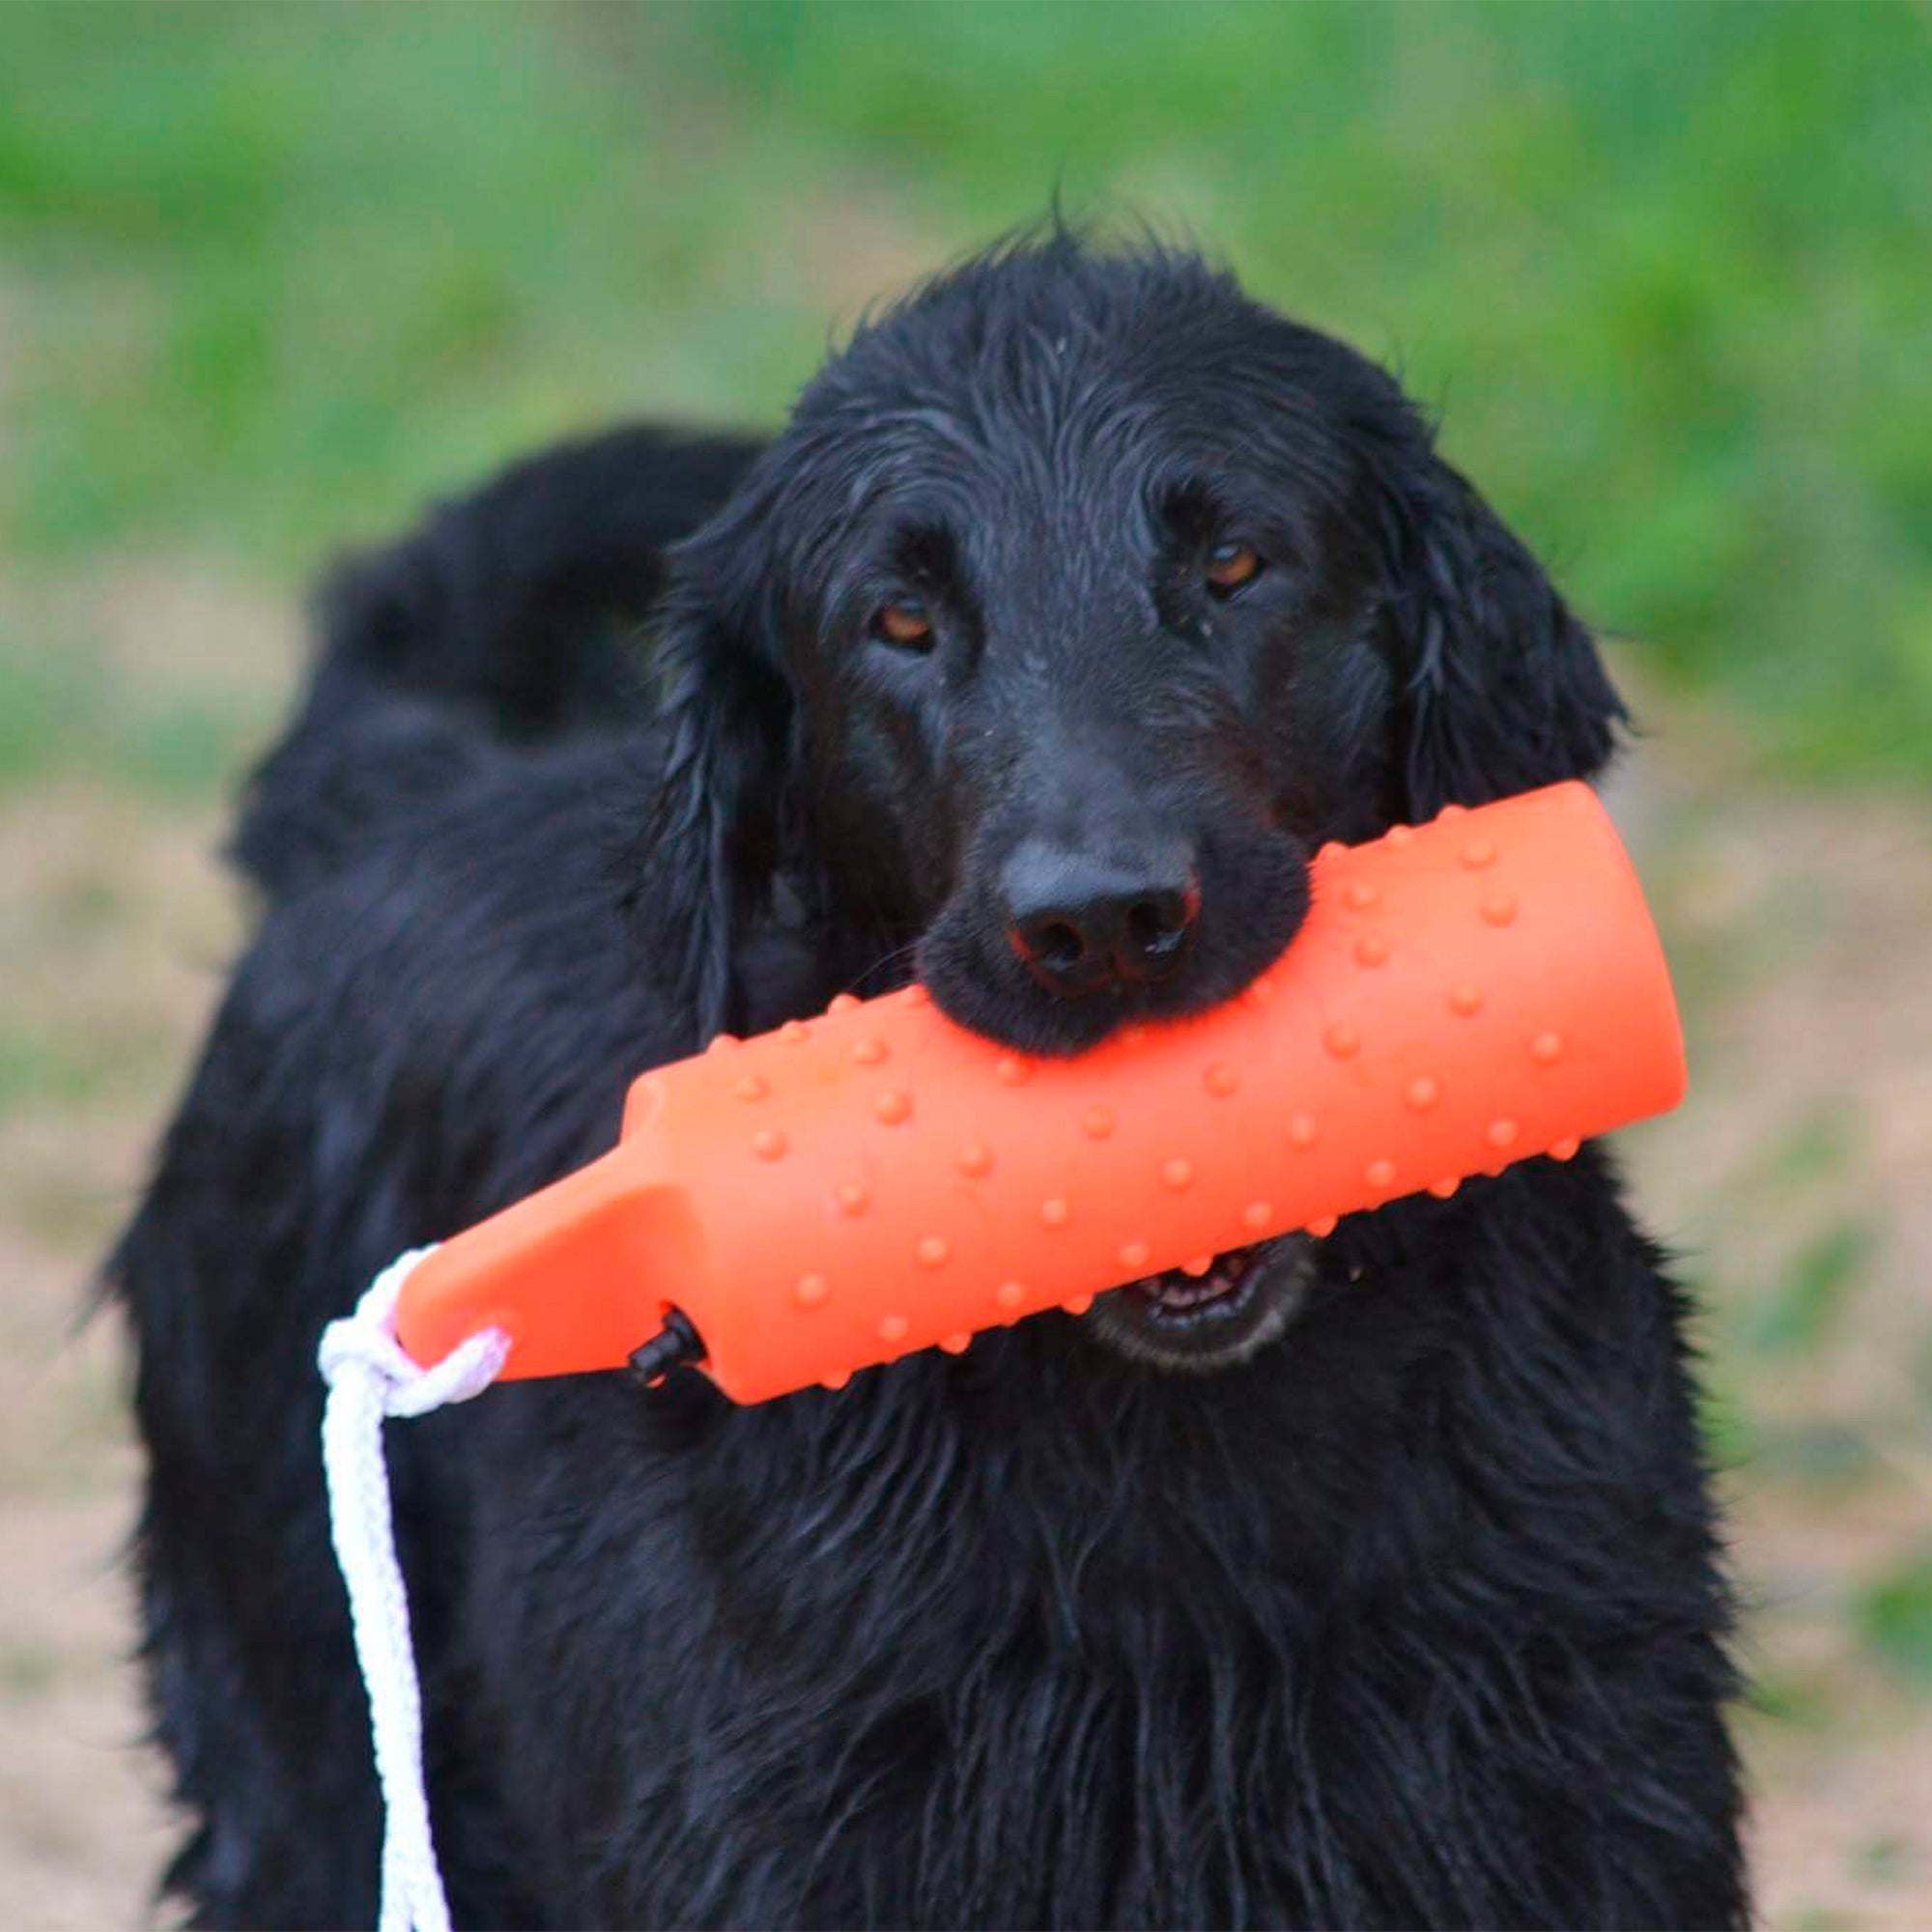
{"points": [[370, 1376]]}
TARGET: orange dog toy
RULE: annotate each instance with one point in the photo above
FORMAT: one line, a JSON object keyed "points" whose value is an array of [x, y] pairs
{"points": [[849, 1189]]}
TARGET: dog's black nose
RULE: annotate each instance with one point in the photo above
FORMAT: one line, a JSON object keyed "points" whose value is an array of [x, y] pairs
{"points": [[1082, 923]]}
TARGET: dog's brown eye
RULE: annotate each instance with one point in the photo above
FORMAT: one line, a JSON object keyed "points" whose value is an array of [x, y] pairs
{"points": [[1229, 565], [904, 621]]}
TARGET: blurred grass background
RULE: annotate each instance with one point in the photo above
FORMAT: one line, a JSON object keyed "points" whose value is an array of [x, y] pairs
{"points": [[274, 272], [269, 276]]}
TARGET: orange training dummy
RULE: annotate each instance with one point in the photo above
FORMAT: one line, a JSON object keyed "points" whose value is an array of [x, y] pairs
{"points": [[849, 1189]]}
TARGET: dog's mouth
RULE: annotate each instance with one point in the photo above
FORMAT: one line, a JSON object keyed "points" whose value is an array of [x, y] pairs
{"points": [[1198, 1319]]}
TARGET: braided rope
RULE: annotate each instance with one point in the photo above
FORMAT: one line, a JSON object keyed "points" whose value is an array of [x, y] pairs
{"points": [[371, 1376]]}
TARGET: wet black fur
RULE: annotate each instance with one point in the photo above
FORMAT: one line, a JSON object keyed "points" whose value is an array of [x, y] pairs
{"points": [[1413, 1619]]}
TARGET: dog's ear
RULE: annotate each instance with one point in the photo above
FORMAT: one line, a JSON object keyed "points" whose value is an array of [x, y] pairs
{"points": [[1499, 687], [726, 712]]}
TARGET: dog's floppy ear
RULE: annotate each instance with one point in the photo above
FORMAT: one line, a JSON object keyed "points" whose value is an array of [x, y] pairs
{"points": [[726, 712], [1499, 687]]}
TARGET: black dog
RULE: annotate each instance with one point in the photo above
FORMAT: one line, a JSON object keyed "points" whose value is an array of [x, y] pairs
{"points": [[1080, 601]]}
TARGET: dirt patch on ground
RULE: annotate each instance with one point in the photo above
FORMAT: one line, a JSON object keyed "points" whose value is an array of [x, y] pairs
{"points": [[113, 925], [1793, 1182]]}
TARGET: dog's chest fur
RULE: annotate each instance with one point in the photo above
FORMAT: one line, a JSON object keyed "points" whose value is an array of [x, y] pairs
{"points": [[1024, 1639]]}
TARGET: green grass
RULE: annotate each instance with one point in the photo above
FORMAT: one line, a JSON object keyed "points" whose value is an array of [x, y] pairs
{"points": [[1887, 1860], [63, 710], [1893, 1615], [1793, 1316], [269, 275]]}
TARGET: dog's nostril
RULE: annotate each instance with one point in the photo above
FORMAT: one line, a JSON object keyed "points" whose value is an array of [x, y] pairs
{"points": [[1057, 943], [1156, 931], [1155, 923]]}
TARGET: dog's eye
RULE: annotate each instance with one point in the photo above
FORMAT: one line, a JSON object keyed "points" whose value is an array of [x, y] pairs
{"points": [[906, 622], [1229, 565]]}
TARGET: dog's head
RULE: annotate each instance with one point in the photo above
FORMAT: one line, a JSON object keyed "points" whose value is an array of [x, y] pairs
{"points": [[1081, 600]]}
